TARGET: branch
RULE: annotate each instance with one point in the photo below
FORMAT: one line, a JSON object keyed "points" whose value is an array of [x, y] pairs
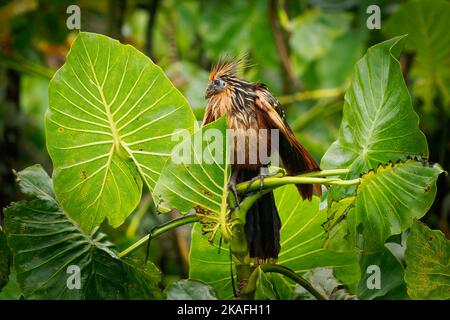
{"points": [[311, 95], [293, 276], [152, 8], [307, 178], [140, 212], [281, 45], [20, 64], [159, 230]]}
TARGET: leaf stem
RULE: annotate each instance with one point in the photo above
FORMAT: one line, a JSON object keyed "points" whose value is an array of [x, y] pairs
{"points": [[140, 212], [293, 276], [159, 230]]}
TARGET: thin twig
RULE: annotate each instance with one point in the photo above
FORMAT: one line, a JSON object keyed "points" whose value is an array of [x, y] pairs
{"points": [[281, 45], [159, 230], [311, 95]]}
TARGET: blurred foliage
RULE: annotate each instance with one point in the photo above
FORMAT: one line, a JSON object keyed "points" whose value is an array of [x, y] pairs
{"points": [[322, 40]]}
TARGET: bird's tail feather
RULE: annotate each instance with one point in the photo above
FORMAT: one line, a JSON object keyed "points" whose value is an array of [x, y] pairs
{"points": [[263, 226]]}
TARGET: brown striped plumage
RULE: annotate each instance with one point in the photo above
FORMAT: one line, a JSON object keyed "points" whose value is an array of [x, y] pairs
{"points": [[250, 105]]}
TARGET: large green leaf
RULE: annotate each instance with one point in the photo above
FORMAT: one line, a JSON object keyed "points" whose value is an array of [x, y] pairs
{"points": [[388, 201], [302, 239], [379, 124], [200, 180], [427, 258], [45, 242], [110, 123], [427, 24], [303, 236]]}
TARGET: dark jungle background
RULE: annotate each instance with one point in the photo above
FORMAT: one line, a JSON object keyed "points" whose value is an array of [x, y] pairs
{"points": [[303, 50]]}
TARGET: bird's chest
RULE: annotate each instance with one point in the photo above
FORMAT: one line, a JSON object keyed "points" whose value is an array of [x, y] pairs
{"points": [[246, 142], [239, 117]]}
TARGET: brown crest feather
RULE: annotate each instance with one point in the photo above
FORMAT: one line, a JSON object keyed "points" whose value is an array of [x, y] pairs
{"points": [[228, 66]]}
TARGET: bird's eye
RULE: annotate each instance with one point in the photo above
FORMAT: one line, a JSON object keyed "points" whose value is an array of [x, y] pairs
{"points": [[217, 83]]}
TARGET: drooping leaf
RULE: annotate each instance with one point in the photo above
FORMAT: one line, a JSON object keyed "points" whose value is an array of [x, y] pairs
{"points": [[284, 287], [45, 243], [109, 127], [379, 124], [34, 181], [49, 248], [5, 260], [190, 290], [200, 180], [427, 25], [392, 285], [427, 257], [388, 201], [302, 239], [143, 279], [264, 288]]}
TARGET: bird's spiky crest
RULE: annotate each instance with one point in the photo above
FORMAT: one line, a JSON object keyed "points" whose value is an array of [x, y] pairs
{"points": [[228, 66]]}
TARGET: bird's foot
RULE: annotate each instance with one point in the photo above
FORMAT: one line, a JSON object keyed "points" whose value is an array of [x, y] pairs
{"points": [[233, 190], [262, 175]]}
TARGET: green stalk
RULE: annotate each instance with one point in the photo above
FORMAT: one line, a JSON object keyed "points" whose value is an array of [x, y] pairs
{"points": [[325, 173], [159, 230], [134, 224], [273, 182], [293, 276], [238, 243]]}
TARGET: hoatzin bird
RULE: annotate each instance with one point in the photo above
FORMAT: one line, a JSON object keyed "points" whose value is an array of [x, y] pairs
{"points": [[250, 105]]}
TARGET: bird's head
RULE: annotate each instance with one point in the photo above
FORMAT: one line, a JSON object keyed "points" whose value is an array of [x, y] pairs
{"points": [[223, 75], [215, 86]]}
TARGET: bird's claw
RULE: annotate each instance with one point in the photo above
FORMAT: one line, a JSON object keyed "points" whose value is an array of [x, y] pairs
{"points": [[261, 178], [232, 188]]}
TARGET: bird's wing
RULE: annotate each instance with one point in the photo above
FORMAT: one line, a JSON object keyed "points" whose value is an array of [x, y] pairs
{"points": [[296, 158], [208, 117]]}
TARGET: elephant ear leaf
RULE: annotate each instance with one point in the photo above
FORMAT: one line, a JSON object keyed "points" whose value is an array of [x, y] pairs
{"points": [[387, 202], [112, 113], [379, 124], [55, 259], [379, 141]]}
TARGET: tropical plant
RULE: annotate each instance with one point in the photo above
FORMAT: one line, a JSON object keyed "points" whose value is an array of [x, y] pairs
{"points": [[112, 127]]}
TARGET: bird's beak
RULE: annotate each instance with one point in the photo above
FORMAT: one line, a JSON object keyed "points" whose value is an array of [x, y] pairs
{"points": [[209, 91]]}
